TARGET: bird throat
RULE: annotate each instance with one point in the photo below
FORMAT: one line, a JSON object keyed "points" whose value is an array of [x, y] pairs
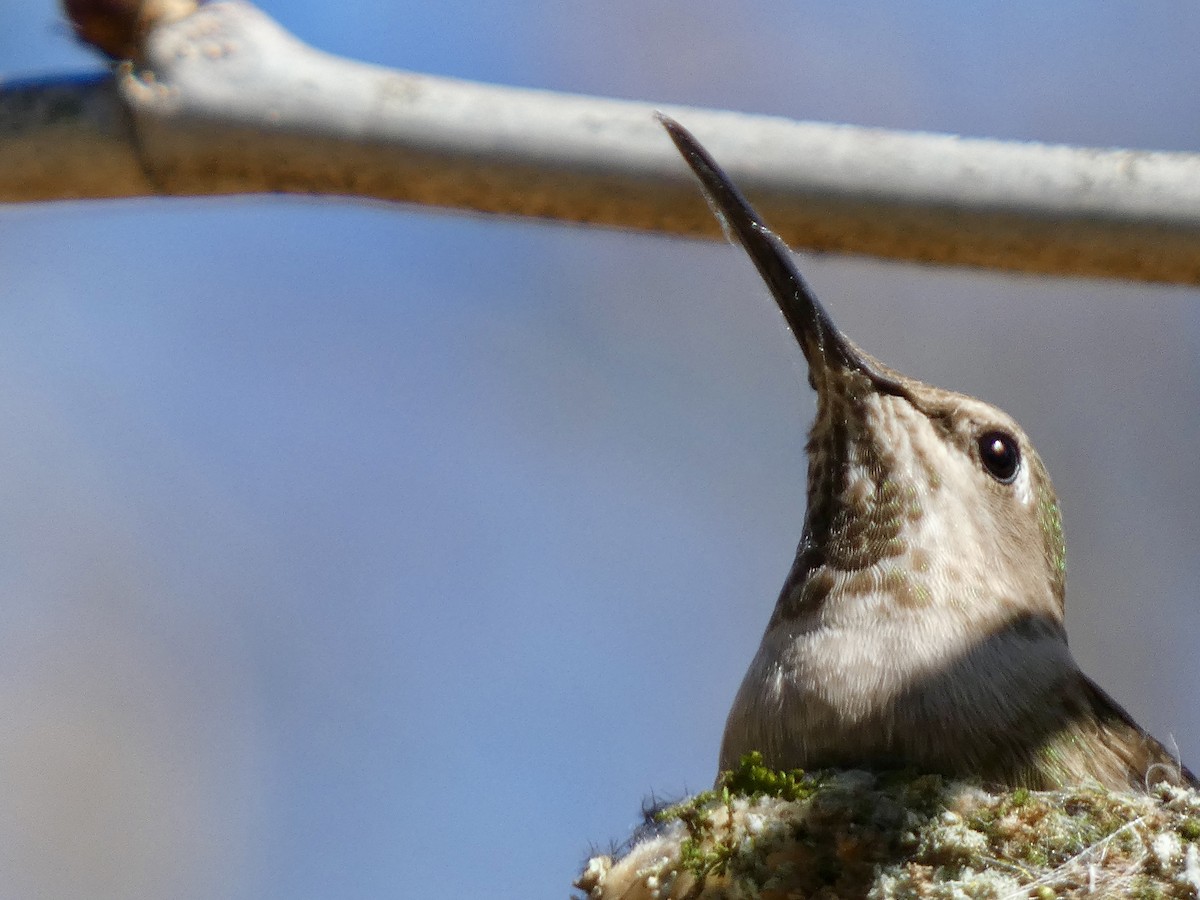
{"points": [[866, 484]]}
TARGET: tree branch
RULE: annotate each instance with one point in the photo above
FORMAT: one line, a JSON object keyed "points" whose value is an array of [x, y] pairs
{"points": [[224, 101]]}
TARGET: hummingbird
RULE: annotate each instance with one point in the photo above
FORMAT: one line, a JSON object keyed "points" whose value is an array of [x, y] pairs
{"points": [[922, 622]]}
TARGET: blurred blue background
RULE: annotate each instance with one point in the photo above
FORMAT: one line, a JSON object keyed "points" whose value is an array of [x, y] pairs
{"points": [[349, 551]]}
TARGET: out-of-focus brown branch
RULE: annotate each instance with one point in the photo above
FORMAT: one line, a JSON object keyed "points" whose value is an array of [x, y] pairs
{"points": [[119, 27], [224, 101]]}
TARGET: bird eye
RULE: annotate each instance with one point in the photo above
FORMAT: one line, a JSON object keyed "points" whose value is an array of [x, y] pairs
{"points": [[1000, 455]]}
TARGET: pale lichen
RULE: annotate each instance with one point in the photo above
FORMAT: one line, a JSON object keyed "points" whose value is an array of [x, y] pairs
{"points": [[766, 835]]}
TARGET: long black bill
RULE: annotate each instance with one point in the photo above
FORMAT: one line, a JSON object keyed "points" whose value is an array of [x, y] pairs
{"points": [[814, 330]]}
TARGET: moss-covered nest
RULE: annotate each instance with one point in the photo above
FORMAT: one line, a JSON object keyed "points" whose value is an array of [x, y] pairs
{"points": [[777, 835]]}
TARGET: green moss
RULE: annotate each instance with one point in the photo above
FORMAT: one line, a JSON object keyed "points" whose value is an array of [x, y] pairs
{"points": [[902, 835], [923, 793], [753, 779], [1143, 888], [703, 860], [1094, 816], [1035, 855], [699, 854]]}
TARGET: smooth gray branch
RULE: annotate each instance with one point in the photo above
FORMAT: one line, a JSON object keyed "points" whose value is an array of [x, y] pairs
{"points": [[227, 102]]}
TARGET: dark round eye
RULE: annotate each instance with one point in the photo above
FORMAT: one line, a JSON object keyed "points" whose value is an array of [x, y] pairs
{"points": [[1000, 455]]}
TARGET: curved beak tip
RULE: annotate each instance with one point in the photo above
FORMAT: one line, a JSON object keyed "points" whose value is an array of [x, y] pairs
{"points": [[818, 337]]}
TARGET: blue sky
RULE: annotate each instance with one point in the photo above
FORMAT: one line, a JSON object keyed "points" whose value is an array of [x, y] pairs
{"points": [[360, 552]]}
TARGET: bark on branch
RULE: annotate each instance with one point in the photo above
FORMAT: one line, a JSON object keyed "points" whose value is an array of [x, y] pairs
{"points": [[224, 101]]}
